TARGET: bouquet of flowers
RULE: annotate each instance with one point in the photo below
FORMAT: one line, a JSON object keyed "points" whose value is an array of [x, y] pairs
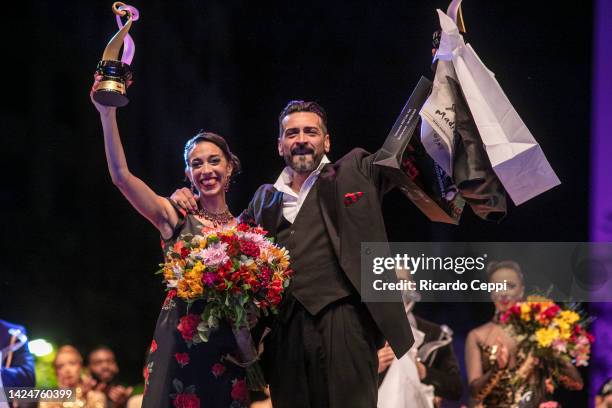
{"points": [[554, 334], [237, 271]]}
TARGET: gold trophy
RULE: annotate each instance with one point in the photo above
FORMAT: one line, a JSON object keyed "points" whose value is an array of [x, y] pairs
{"points": [[117, 73]]}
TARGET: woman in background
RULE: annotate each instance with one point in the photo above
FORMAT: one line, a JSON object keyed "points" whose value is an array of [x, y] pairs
{"points": [[493, 361]]}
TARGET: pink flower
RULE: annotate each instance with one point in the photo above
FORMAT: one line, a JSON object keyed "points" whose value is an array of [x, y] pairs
{"points": [[214, 255], [182, 359], [186, 401], [582, 360], [188, 326], [218, 370], [240, 391], [560, 346], [208, 279]]}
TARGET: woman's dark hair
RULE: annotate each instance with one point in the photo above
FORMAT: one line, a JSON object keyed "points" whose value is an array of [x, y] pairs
{"points": [[218, 141], [496, 265]]}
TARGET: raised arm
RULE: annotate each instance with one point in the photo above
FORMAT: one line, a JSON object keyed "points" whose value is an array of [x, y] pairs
{"points": [[153, 207]]}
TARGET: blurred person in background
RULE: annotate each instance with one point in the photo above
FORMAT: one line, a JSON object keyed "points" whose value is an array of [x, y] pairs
{"points": [[103, 369], [68, 365]]}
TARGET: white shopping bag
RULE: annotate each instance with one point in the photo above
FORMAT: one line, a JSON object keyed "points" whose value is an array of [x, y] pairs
{"points": [[401, 386], [516, 157], [438, 114]]}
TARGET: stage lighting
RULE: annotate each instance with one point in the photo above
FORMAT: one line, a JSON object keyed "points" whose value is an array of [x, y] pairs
{"points": [[40, 347]]}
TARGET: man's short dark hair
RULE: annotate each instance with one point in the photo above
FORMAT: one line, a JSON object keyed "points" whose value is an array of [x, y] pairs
{"points": [[100, 347], [302, 106]]}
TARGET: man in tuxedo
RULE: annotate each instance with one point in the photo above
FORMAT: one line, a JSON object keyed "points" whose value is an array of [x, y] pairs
{"points": [[322, 351], [16, 366]]}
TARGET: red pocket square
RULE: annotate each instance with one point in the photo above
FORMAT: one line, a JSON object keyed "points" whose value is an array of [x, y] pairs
{"points": [[351, 198]]}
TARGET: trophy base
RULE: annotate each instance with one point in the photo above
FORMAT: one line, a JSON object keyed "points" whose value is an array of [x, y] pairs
{"points": [[108, 97], [112, 89]]}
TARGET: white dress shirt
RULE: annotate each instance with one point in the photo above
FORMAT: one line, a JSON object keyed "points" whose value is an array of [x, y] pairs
{"points": [[292, 201]]}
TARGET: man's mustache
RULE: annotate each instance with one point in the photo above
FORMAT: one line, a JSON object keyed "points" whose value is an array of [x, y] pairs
{"points": [[302, 150]]}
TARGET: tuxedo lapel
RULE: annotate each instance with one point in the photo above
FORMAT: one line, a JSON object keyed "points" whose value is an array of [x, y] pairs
{"points": [[272, 211], [327, 202]]}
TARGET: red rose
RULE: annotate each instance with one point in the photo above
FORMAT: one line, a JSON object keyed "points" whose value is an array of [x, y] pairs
{"points": [[516, 310], [153, 346], [182, 359], [232, 245], [240, 391], [186, 401], [242, 227], [184, 252], [171, 294], [249, 248], [235, 277], [218, 370], [221, 286], [551, 311], [188, 326]]}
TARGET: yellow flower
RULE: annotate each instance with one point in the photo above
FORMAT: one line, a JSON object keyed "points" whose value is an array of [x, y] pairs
{"points": [[546, 336], [569, 316], [198, 268], [525, 312]]}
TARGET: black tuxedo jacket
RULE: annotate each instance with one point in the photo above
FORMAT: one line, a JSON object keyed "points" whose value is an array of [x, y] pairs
{"points": [[347, 226]]}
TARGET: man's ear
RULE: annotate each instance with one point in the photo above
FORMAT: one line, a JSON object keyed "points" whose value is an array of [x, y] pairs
{"points": [[327, 143]]}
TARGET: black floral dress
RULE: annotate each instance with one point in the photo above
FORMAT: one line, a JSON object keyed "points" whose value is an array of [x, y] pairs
{"points": [[183, 374]]}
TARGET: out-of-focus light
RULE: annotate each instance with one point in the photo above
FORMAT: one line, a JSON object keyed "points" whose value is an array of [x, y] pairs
{"points": [[40, 347]]}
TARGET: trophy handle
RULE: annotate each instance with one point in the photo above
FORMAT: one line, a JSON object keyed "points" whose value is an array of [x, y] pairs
{"points": [[111, 52]]}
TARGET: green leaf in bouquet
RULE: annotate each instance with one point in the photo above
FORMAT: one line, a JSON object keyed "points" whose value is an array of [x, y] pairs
{"points": [[240, 316], [159, 271]]}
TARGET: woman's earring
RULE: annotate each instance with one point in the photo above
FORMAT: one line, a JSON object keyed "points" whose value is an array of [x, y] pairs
{"points": [[193, 190], [226, 186]]}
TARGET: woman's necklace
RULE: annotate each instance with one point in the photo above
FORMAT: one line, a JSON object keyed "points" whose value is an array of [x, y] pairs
{"points": [[216, 218]]}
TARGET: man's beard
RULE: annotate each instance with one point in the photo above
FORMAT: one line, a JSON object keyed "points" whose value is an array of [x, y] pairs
{"points": [[303, 163]]}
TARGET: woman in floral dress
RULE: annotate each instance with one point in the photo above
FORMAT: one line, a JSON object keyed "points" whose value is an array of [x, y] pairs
{"points": [[181, 373]]}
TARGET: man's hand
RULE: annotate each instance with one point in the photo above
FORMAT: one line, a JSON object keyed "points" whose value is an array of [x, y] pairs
{"points": [[385, 357], [185, 199], [422, 370], [119, 394]]}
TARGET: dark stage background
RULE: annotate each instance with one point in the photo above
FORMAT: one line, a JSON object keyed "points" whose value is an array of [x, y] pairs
{"points": [[78, 261]]}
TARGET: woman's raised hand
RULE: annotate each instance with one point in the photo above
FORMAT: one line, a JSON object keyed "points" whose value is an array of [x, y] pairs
{"points": [[104, 110]]}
